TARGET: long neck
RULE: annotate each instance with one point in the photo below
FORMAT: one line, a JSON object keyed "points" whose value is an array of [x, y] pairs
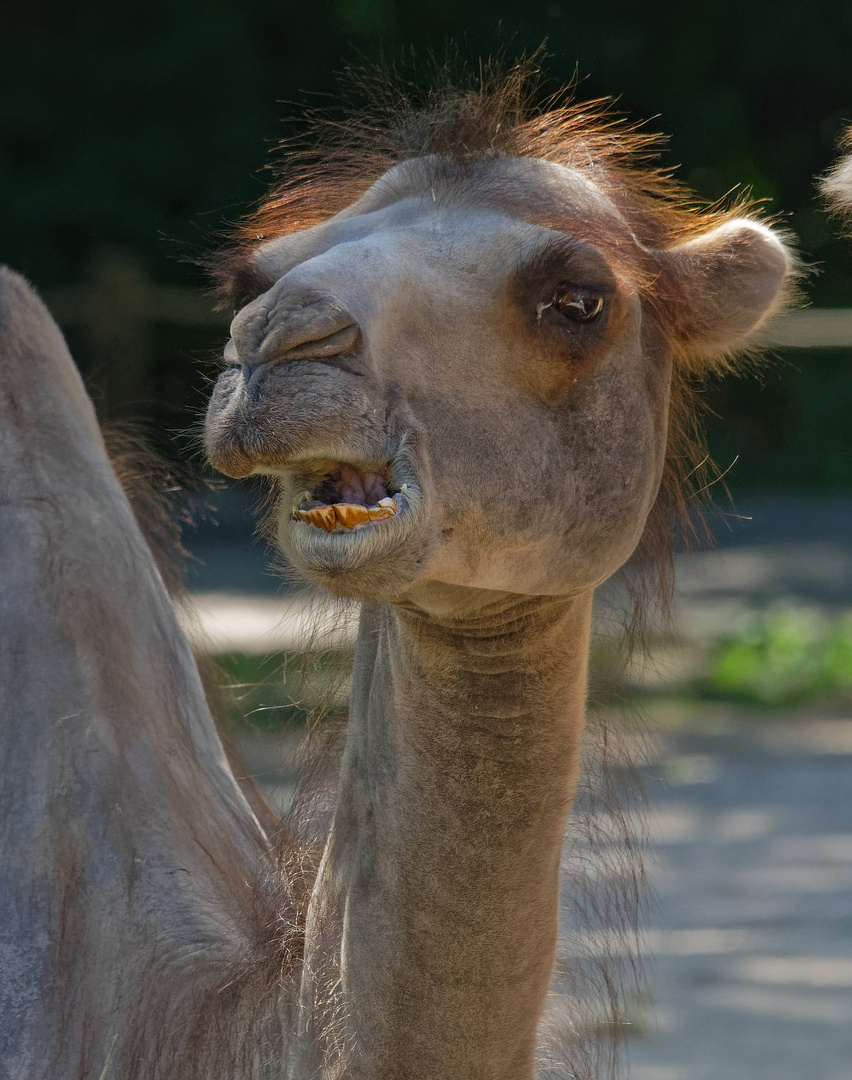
{"points": [[442, 866]]}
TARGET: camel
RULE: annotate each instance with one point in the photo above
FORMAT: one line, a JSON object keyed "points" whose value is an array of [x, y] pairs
{"points": [[836, 185], [464, 352]]}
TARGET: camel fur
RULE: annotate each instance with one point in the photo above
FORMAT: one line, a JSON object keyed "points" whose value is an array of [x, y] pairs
{"points": [[497, 319]]}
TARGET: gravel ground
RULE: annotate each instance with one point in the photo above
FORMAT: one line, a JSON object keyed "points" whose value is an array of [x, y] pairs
{"points": [[750, 938], [752, 933]]}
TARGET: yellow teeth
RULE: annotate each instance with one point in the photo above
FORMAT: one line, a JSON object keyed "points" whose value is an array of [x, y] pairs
{"points": [[321, 516], [347, 514], [351, 514]]}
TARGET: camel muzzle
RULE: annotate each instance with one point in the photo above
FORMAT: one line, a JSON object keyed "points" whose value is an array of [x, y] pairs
{"points": [[349, 496]]}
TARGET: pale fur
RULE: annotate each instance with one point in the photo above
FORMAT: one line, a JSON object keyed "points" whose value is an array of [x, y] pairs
{"points": [[836, 185], [131, 863]]}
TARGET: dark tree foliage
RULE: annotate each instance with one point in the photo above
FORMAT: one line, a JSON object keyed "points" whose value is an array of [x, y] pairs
{"points": [[143, 128]]}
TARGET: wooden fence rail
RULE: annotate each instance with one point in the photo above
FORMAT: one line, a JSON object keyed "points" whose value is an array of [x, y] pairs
{"points": [[117, 299]]}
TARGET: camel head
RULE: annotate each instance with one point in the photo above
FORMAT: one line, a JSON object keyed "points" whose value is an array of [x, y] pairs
{"points": [[463, 377]]}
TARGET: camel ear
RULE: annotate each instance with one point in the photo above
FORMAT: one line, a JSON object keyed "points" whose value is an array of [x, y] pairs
{"points": [[836, 185], [728, 282]]}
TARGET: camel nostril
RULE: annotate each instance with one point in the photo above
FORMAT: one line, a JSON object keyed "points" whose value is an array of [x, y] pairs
{"points": [[291, 324], [233, 360], [311, 343]]}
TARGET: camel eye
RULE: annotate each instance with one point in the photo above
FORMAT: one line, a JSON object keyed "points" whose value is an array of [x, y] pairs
{"points": [[577, 303]]}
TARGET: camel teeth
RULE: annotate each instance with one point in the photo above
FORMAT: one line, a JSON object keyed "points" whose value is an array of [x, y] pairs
{"points": [[321, 516], [351, 514]]}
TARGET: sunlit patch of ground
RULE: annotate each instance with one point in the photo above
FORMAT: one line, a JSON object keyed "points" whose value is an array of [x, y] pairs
{"points": [[752, 935]]}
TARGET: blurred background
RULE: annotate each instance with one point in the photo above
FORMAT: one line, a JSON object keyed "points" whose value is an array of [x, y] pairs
{"points": [[132, 135]]}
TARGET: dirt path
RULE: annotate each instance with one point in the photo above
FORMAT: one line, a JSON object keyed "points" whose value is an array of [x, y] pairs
{"points": [[752, 936]]}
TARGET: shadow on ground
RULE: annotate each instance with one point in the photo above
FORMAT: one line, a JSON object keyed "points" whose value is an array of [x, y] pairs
{"points": [[752, 810]]}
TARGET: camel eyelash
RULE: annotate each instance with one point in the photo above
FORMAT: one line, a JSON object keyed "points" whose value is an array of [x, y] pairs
{"points": [[566, 280], [577, 303]]}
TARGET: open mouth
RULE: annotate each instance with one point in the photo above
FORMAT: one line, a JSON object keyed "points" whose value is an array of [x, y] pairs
{"points": [[349, 497]]}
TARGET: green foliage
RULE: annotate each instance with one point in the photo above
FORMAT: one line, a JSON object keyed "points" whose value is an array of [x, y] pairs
{"points": [[784, 657], [787, 428]]}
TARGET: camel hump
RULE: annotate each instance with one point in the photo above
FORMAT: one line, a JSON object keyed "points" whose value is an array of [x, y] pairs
{"points": [[43, 402], [14, 288], [115, 785], [26, 325]]}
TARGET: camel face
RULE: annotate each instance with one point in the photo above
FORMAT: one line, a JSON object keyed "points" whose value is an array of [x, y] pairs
{"points": [[451, 389]]}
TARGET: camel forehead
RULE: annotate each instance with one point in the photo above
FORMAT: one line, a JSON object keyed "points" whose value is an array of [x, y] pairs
{"points": [[505, 205], [520, 187], [408, 233]]}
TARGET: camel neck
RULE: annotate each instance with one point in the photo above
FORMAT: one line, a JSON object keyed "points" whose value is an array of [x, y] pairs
{"points": [[442, 866]]}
